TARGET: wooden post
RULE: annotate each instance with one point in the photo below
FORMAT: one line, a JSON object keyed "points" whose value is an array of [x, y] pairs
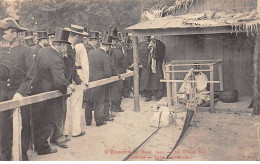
{"points": [[212, 88], [136, 75], [168, 87], [256, 110], [220, 74], [174, 96], [17, 123]]}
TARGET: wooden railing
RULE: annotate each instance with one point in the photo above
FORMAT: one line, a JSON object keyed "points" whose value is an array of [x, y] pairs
{"points": [[16, 104]]}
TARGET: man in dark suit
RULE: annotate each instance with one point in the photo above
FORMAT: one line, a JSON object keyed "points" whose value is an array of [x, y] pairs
{"points": [[99, 68], [119, 61], [14, 86], [92, 44], [151, 55], [43, 42], [50, 76]]}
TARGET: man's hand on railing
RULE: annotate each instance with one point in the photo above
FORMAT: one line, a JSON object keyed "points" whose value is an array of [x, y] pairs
{"points": [[84, 85], [71, 88], [119, 76], [17, 96]]}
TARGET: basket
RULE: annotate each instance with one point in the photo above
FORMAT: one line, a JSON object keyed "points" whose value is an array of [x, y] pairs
{"points": [[228, 96]]}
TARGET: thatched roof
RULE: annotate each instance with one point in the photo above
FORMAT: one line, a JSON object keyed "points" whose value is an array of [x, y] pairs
{"points": [[245, 21]]}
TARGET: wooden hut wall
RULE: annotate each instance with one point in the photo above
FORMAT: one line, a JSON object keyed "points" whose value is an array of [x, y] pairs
{"points": [[236, 51], [204, 5]]}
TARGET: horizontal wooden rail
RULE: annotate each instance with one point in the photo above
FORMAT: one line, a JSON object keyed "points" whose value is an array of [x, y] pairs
{"points": [[202, 70], [7, 105], [181, 81]]}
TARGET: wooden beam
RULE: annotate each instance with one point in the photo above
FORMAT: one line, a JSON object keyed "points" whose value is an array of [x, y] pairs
{"points": [[7, 105], [195, 61], [256, 110], [181, 81], [136, 75], [180, 71], [183, 31]]}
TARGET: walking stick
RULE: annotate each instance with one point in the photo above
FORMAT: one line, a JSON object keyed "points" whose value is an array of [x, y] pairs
{"points": [[110, 104]]}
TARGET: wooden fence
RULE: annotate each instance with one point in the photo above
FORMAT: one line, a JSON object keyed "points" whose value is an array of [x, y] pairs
{"points": [[16, 104]]}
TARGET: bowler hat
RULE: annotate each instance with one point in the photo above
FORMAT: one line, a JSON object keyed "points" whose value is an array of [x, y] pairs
{"points": [[61, 35], [76, 29], [107, 39], [29, 41], [93, 35], [42, 35], [11, 23], [28, 33], [113, 32]]}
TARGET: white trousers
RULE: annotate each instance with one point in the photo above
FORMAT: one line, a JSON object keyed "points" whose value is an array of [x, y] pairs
{"points": [[74, 108]]}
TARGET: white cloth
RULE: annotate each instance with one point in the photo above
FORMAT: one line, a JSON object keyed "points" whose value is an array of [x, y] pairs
{"points": [[74, 108], [82, 60]]}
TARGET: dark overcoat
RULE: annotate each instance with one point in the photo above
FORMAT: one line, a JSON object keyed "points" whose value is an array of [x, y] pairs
{"points": [[36, 49], [50, 76], [89, 47], [149, 80], [16, 76], [99, 68], [70, 68]]}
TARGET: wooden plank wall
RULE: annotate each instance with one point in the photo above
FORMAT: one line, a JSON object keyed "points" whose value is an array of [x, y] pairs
{"points": [[204, 5], [235, 51]]}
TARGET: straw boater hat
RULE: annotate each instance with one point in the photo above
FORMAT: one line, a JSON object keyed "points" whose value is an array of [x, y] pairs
{"points": [[11, 23], [42, 34], [61, 35], [76, 29], [107, 39]]}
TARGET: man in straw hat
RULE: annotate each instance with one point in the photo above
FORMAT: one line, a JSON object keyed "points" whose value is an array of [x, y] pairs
{"points": [[74, 104], [15, 87], [99, 68], [50, 76]]}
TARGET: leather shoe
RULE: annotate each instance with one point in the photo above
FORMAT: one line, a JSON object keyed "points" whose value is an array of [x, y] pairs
{"points": [[50, 152], [62, 144], [81, 134], [119, 110], [109, 119], [147, 99], [88, 124], [102, 123]]}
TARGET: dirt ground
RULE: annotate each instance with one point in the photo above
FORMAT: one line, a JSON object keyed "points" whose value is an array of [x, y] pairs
{"points": [[211, 137]]}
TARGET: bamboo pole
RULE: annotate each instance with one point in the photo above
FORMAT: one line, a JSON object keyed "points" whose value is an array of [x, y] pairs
{"points": [[256, 110], [136, 75]]}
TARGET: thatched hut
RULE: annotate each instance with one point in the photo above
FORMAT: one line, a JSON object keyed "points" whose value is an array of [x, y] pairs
{"points": [[211, 29]]}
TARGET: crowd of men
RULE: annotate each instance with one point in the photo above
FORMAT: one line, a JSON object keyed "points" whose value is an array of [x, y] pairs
{"points": [[67, 60]]}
